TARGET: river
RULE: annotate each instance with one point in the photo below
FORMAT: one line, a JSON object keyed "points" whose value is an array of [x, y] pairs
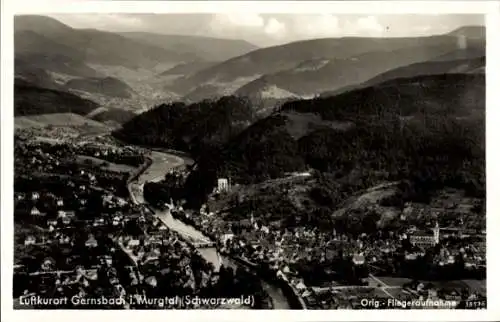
{"points": [[162, 163]]}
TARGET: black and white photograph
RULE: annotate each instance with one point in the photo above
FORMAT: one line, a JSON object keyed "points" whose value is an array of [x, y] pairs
{"points": [[249, 161]]}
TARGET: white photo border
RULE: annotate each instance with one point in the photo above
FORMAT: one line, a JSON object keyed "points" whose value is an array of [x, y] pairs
{"points": [[490, 8]]}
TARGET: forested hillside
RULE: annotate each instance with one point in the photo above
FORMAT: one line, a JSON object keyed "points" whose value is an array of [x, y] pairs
{"points": [[32, 100], [427, 129], [191, 128]]}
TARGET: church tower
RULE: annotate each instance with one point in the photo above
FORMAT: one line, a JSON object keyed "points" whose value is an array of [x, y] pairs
{"points": [[435, 231]]}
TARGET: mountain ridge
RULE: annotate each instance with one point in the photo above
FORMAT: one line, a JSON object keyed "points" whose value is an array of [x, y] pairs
{"points": [[431, 67], [428, 128], [206, 48], [92, 45], [270, 60], [338, 73]]}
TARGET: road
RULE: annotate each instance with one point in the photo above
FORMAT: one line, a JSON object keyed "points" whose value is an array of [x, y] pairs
{"points": [[383, 286], [162, 163]]}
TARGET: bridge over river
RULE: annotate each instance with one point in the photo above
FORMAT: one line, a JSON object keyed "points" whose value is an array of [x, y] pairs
{"points": [[162, 163]]}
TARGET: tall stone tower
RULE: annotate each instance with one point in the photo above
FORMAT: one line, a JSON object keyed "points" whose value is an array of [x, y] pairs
{"points": [[435, 231], [222, 185]]}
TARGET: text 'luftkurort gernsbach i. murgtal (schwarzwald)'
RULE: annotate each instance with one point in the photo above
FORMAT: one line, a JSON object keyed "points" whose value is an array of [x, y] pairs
{"points": [[161, 168]]}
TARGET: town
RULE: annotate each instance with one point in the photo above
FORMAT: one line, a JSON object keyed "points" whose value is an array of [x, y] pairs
{"points": [[335, 270], [79, 235]]}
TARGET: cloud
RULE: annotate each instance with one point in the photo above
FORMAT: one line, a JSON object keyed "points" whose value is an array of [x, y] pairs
{"points": [[275, 28], [422, 28], [369, 24], [323, 25], [125, 20], [223, 21], [235, 24], [271, 29], [110, 21]]}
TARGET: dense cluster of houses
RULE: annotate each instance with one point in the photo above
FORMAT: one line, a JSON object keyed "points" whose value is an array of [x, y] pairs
{"points": [[159, 252], [282, 249], [124, 249], [58, 250], [82, 238]]}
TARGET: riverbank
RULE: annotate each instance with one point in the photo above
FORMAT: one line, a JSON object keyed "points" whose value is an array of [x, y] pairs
{"points": [[140, 170], [294, 299], [282, 294], [296, 302], [181, 154]]}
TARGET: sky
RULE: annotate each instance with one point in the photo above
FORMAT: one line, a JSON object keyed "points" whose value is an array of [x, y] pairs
{"points": [[274, 29]]}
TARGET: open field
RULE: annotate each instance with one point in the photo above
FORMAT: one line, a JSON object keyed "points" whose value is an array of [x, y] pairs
{"points": [[301, 124], [397, 293], [389, 281], [473, 285], [476, 285], [81, 159], [56, 119], [392, 284], [60, 125]]}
